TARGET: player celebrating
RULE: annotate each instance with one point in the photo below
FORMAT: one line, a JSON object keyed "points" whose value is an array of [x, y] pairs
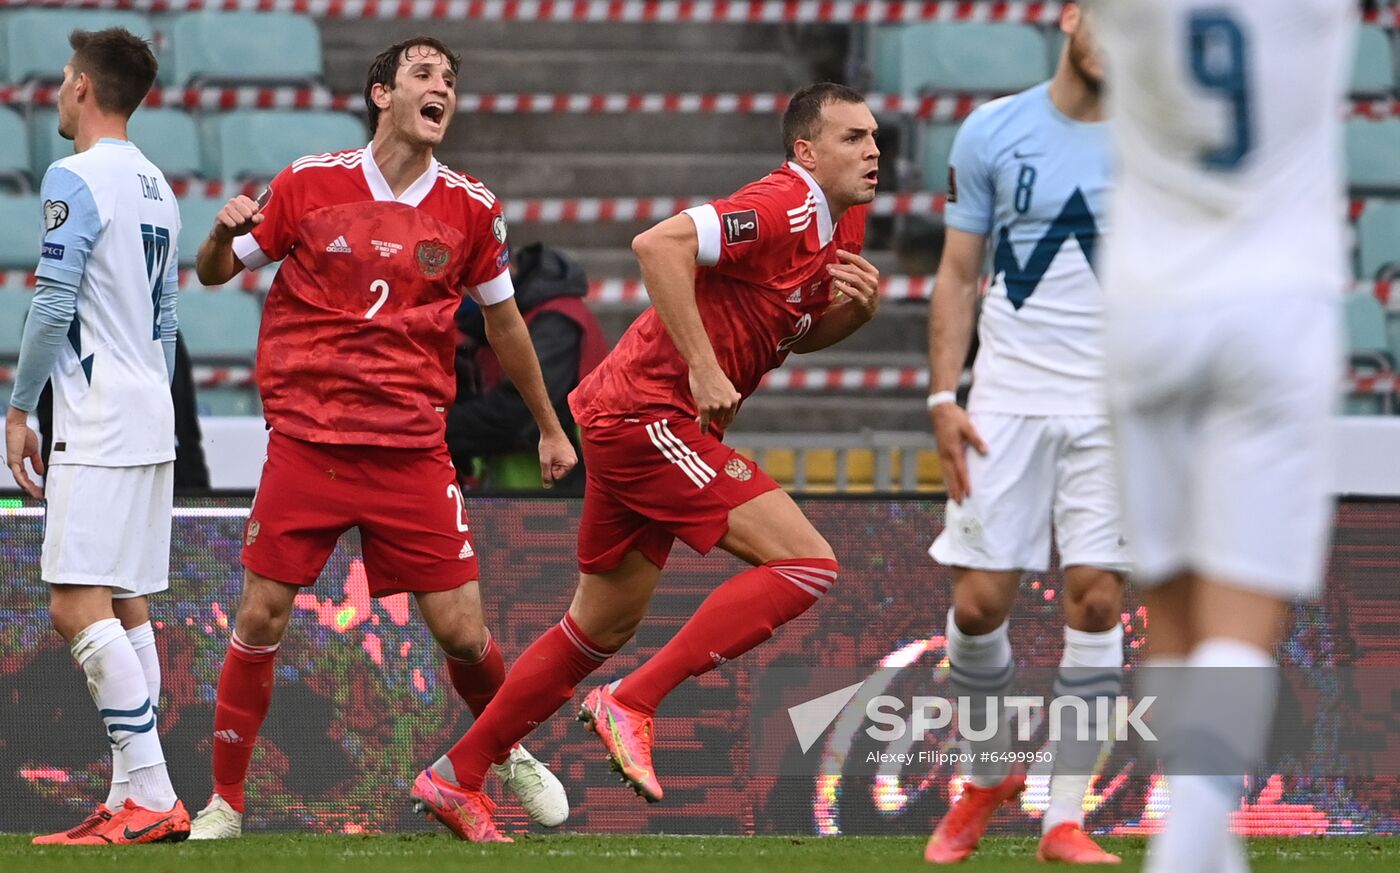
{"points": [[1223, 349], [1032, 172], [736, 285], [102, 327], [355, 367]]}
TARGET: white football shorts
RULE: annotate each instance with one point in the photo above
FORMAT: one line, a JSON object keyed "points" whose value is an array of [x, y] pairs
{"points": [[1039, 472], [108, 526], [1222, 419]]}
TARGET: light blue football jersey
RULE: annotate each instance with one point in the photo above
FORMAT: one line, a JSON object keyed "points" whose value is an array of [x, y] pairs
{"points": [[110, 227], [1035, 183]]}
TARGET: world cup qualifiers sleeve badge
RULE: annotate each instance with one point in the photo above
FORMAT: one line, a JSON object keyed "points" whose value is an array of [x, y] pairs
{"points": [[433, 256], [55, 213]]}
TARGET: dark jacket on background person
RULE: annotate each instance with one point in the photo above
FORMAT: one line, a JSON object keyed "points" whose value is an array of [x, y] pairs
{"points": [[489, 419]]}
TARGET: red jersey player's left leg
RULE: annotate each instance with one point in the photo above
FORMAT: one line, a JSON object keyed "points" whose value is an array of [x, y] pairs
{"points": [[792, 567]]}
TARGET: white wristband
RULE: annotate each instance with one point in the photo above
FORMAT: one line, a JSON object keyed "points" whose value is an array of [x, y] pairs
{"points": [[938, 398]]}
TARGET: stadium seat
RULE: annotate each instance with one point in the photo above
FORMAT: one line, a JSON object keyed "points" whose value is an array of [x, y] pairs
{"points": [[1378, 238], [1373, 73], [45, 145], [14, 158], [14, 309], [970, 57], [21, 231], [244, 47], [221, 325], [1368, 344], [196, 218], [35, 41], [938, 143], [1373, 154], [258, 144], [884, 58], [168, 138]]}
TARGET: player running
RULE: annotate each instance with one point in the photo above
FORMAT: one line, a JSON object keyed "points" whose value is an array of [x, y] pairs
{"points": [[1224, 357], [102, 327], [736, 285], [1030, 172], [355, 366]]}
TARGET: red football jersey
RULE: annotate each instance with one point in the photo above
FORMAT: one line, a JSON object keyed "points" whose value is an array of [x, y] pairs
{"points": [[760, 285], [357, 339]]}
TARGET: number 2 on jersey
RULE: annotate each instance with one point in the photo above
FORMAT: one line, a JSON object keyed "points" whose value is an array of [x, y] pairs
{"points": [[455, 494], [156, 241], [1219, 64], [380, 287]]}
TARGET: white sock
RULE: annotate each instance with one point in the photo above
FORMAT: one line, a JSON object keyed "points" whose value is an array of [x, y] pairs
{"points": [[143, 642], [981, 667], [118, 687], [1090, 668], [1220, 730]]}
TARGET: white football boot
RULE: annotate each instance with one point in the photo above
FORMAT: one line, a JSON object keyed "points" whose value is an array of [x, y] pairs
{"points": [[539, 790], [217, 821]]}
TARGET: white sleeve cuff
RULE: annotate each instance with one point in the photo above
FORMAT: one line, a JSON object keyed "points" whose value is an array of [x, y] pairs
{"points": [[247, 250], [707, 229], [493, 292]]}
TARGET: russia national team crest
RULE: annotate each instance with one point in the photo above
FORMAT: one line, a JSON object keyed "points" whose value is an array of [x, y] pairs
{"points": [[433, 256], [737, 468], [254, 528]]}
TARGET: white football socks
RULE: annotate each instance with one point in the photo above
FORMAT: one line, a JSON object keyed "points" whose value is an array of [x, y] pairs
{"points": [[143, 641], [1090, 668], [1217, 734], [981, 667], [118, 687]]}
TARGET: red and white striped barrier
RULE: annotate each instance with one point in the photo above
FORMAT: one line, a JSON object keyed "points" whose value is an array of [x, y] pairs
{"points": [[587, 210], [936, 108], [607, 11], [793, 379], [623, 291]]}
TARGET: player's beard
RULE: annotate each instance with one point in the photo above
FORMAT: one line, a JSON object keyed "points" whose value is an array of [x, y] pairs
{"points": [[1078, 62]]}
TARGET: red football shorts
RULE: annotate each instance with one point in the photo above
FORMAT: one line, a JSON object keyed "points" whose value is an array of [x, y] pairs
{"points": [[406, 503], [650, 482]]}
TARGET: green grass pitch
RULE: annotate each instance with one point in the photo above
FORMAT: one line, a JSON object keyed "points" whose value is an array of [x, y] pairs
{"points": [[436, 853]]}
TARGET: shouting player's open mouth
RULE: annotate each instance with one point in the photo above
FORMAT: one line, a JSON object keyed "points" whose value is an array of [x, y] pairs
{"points": [[873, 177], [433, 113]]}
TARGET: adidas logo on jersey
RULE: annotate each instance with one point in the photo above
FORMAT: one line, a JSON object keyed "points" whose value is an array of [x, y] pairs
{"points": [[795, 296], [228, 736], [340, 246], [466, 551]]}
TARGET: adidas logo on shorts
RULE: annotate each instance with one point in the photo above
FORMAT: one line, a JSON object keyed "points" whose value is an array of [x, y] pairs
{"points": [[466, 551], [228, 736], [340, 246]]}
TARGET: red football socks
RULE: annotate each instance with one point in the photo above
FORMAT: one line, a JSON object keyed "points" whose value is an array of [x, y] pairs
{"points": [[737, 616], [478, 681], [245, 693], [542, 679]]}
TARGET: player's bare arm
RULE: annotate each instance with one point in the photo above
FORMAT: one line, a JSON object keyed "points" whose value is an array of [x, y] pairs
{"points": [[950, 318], [510, 340], [216, 263], [856, 284], [667, 255]]}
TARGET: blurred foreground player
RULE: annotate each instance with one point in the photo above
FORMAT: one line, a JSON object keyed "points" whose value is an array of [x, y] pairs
{"points": [[102, 327], [1032, 451], [355, 366], [736, 285], [1223, 275]]}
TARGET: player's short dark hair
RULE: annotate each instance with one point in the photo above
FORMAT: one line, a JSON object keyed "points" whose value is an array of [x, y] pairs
{"points": [[385, 67], [120, 64], [803, 117]]}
